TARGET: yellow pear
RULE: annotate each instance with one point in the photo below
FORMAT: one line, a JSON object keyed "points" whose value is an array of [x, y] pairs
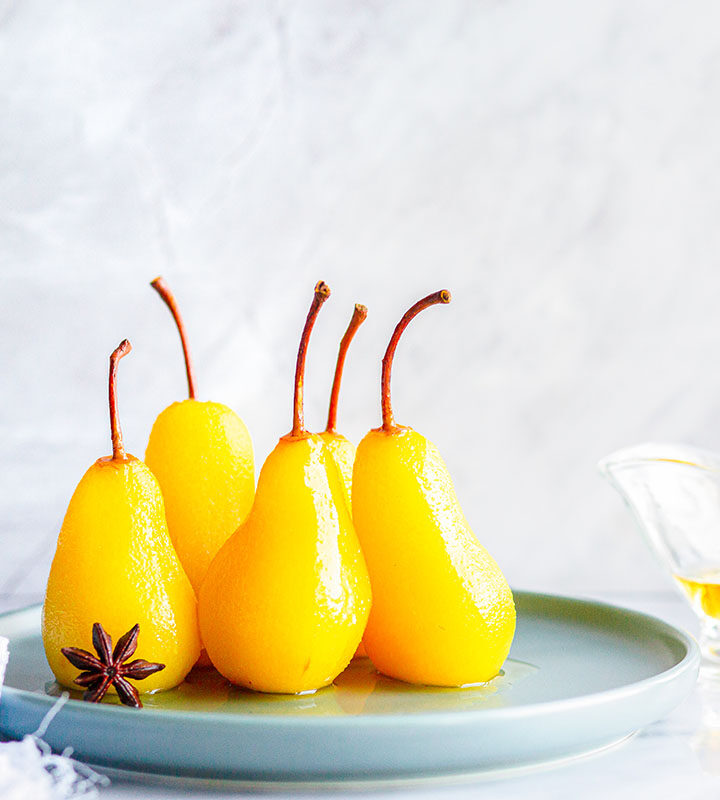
{"points": [[284, 603], [442, 613], [202, 455], [115, 565], [341, 448]]}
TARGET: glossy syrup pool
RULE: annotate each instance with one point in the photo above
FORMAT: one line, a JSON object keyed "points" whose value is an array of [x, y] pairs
{"points": [[360, 689]]}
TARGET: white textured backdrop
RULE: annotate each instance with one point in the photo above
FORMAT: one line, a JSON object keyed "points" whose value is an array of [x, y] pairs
{"points": [[556, 165]]}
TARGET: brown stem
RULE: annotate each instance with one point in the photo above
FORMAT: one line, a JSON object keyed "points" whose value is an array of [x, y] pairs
{"points": [[359, 316], [164, 291], [118, 453], [443, 296], [322, 292]]}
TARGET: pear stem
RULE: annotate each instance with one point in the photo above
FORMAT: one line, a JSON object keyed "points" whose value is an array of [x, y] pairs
{"points": [[443, 296], [118, 452], [359, 316], [164, 291], [322, 292]]}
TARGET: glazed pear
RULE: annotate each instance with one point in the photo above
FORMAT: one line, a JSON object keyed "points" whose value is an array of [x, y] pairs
{"points": [[341, 448], [285, 601], [115, 564], [442, 612], [201, 453]]}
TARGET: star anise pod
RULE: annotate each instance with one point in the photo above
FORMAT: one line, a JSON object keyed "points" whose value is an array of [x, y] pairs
{"points": [[109, 666]]}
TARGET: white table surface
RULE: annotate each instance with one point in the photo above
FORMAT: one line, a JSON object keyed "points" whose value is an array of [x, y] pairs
{"points": [[678, 756]]}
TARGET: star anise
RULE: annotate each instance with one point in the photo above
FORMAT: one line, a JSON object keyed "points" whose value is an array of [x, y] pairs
{"points": [[109, 667]]}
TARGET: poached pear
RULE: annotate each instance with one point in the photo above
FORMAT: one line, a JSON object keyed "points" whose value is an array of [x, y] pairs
{"points": [[115, 565], [284, 603], [202, 455], [341, 448], [442, 612]]}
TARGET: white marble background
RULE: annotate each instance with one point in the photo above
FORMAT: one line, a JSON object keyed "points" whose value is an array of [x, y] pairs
{"points": [[555, 164]]}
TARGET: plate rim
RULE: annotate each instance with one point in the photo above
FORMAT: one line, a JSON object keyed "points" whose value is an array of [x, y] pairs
{"points": [[689, 662]]}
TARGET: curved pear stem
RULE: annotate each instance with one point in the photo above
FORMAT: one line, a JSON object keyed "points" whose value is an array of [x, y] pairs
{"points": [[164, 291], [118, 452], [322, 292], [443, 296], [359, 316]]}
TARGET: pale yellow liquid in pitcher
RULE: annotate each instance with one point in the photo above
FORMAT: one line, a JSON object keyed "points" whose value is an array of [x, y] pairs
{"points": [[703, 590]]}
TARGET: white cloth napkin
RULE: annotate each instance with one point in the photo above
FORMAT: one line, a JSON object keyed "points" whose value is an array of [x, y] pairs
{"points": [[28, 768]]}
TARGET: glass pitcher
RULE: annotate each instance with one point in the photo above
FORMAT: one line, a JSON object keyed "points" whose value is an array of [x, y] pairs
{"points": [[674, 494]]}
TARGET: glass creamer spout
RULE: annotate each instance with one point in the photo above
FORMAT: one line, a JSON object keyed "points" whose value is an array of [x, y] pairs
{"points": [[673, 492]]}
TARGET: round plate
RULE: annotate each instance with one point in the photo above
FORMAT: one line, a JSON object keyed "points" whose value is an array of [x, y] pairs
{"points": [[581, 675]]}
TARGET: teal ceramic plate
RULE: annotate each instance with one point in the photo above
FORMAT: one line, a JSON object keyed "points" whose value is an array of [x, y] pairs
{"points": [[581, 676]]}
